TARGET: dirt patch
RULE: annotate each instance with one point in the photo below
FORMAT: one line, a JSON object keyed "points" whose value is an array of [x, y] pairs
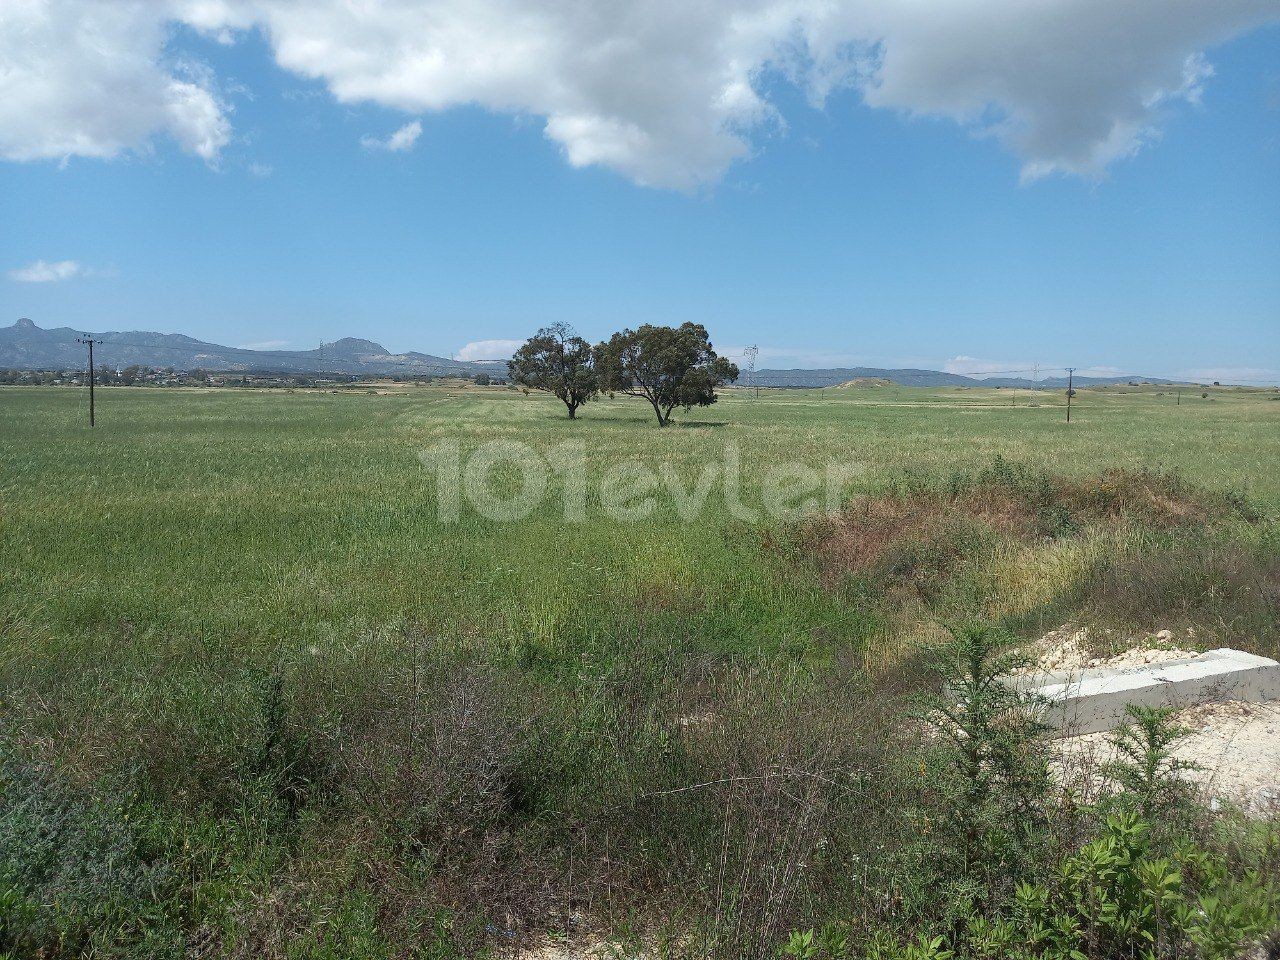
{"points": [[581, 950], [1234, 745], [1069, 648], [864, 382]]}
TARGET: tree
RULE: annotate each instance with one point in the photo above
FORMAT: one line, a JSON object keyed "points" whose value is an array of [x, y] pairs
{"points": [[557, 360], [482, 380], [668, 366]]}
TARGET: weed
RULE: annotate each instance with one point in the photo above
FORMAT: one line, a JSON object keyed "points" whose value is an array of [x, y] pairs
{"points": [[1147, 771]]}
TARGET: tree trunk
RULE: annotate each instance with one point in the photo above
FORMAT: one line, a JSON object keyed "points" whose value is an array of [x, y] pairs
{"points": [[573, 410]]}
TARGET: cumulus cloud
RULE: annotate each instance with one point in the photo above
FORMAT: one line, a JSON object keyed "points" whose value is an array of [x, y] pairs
{"points": [[44, 271], [88, 79], [488, 350], [401, 140], [666, 92], [1069, 85]]}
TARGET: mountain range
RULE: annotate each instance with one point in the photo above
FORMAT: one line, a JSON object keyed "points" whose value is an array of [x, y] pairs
{"points": [[838, 376], [26, 346], [29, 347]]}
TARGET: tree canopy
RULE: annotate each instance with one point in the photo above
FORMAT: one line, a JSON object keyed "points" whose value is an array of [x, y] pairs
{"points": [[668, 366], [558, 361]]}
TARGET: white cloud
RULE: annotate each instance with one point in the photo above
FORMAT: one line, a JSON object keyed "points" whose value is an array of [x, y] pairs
{"points": [[44, 271], [666, 92], [1067, 85], [488, 350], [90, 79], [261, 170], [401, 140]]}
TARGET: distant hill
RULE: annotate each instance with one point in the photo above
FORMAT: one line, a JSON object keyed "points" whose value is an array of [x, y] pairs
{"points": [[858, 376], [26, 346], [864, 382]]}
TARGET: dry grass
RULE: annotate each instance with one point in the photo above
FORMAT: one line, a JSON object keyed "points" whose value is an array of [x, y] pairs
{"points": [[901, 537], [1125, 550], [882, 533]]}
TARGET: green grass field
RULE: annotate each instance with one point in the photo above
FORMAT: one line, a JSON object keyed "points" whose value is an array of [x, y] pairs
{"points": [[209, 580], [303, 517]]}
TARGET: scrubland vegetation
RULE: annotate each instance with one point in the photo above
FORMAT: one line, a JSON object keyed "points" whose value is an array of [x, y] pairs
{"points": [[258, 699]]}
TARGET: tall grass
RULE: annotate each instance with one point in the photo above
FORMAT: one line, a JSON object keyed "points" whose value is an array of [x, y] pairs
{"points": [[337, 723]]}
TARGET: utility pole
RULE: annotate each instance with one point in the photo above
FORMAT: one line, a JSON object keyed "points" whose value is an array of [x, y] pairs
{"points": [[750, 355], [1071, 392], [90, 341]]}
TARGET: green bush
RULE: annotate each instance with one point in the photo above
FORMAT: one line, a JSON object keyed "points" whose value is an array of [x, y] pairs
{"points": [[986, 759], [1150, 877], [75, 878]]}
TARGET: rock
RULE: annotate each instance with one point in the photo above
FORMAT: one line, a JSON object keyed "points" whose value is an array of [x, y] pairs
{"points": [[1164, 636]]}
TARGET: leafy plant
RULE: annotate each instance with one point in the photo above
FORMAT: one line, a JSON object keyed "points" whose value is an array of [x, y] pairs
{"points": [[1113, 899], [1147, 769], [995, 770], [74, 876]]}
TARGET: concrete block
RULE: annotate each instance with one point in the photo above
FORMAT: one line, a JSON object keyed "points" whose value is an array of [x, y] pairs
{"points": [[1092, 700]]}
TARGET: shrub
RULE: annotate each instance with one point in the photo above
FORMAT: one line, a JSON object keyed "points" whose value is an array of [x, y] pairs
{"points": [[74, 876], [1147, 771], [1129, 884], [993, 771]]}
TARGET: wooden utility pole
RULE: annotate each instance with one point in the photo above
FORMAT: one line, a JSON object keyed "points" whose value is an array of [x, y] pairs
{"points": [[750, 355], [90, 341], [1071, 391]]}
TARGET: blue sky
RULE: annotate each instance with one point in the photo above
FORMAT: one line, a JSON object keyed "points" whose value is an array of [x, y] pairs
{"points": [[843, 227]]}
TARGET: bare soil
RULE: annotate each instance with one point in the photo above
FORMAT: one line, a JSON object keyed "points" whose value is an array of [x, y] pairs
{"points": [[1234, 745]]}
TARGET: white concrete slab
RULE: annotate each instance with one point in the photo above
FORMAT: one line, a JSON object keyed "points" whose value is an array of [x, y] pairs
{"points": [[1092, 700]]}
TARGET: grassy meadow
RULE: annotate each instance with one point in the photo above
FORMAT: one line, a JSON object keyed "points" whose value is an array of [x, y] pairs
{"points": [[304, 714]]}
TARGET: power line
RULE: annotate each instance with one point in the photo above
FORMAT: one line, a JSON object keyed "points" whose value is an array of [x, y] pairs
{"points": [[1034, 371]]}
